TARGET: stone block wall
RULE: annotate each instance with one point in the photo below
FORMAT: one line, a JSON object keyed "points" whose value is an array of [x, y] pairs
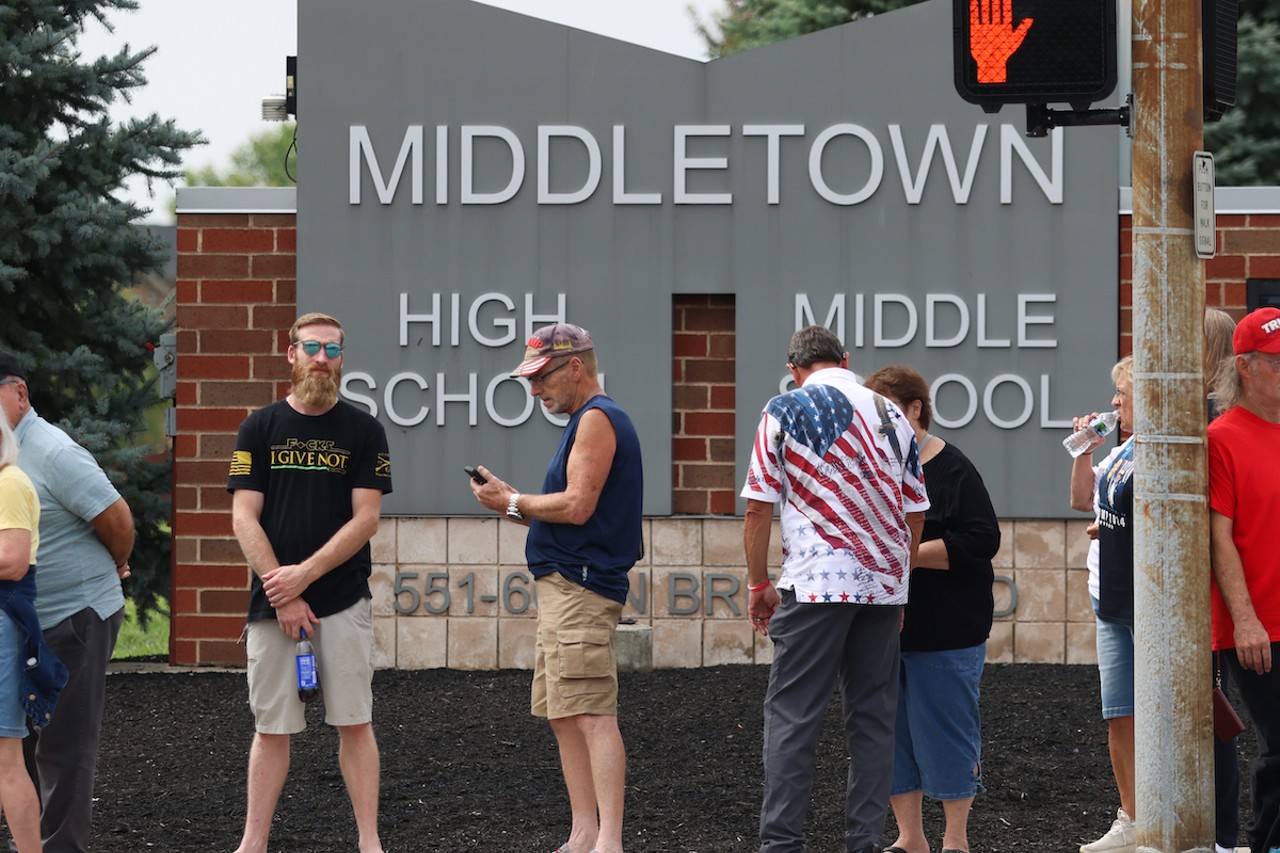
{"points": [[472, 609]]}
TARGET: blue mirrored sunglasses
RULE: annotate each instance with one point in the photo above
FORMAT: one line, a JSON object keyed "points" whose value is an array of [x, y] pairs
{"points": [[313, 347]]}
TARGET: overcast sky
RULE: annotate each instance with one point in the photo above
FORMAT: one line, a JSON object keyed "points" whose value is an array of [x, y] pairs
{"points": [[218, 59]]}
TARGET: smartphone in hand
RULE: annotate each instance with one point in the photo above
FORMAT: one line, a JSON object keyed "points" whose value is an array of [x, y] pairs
{"points": [[475, 475]]}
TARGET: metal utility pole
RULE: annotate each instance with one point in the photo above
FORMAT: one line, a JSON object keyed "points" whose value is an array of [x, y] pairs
{"points": [[1171, 526]]}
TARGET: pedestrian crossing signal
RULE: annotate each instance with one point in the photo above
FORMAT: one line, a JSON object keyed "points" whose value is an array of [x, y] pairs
{"points": [[1034, 51]]}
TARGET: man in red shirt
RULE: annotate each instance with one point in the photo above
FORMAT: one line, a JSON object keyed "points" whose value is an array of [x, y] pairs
{"points": [[1244, 504]]}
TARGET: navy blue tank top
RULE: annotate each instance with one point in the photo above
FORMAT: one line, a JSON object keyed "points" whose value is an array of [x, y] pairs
{"points": [[599, 553]]}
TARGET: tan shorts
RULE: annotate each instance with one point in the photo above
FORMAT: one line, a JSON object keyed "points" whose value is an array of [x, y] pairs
{"points": [[344, 657], [576, 668]]}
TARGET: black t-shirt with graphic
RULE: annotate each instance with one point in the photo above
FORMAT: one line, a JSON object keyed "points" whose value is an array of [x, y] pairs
{"points": [[306, 467]]}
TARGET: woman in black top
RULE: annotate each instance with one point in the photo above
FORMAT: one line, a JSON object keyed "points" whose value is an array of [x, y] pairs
{"points": [[944, 634]]}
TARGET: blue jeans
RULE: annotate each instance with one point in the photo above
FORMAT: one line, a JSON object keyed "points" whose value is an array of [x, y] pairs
{"points": [[13, 720], [1115, 667], [938, 737]]}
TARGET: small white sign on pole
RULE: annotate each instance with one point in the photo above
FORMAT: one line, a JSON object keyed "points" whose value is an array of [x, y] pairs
{"points": [[1205, 228]]}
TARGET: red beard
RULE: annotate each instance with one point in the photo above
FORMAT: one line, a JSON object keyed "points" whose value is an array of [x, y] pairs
{"points": [[313, 388]]}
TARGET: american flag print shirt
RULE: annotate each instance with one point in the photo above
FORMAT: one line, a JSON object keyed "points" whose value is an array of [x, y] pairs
{"points": [[844, 463]]}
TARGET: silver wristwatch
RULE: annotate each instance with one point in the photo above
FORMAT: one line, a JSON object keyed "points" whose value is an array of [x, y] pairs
{"points": [[513, 507]]}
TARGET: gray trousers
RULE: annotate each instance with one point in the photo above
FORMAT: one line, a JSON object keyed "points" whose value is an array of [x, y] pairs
{"points": [[63, 756], [816, 647]]}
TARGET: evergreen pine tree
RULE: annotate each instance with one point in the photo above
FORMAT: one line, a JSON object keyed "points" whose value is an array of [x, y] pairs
{"points": [[1246, 142], [68, 251]]}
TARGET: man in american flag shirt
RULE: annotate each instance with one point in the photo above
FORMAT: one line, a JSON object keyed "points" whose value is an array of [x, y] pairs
{"points": [[844, 464]]}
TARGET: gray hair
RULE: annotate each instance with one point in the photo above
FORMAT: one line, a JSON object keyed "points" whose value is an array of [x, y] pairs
{"points": [[814, 345], [1227, 386], [8, 444]]}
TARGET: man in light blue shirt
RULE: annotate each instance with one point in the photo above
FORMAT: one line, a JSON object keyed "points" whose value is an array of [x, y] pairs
{"points": [[86, 536]]}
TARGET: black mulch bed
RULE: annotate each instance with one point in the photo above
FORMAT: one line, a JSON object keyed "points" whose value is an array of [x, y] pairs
{"points": [[464, 766]]}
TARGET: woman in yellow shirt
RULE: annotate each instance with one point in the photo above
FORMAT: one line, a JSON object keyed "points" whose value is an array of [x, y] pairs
{"points": [[19, 539]]}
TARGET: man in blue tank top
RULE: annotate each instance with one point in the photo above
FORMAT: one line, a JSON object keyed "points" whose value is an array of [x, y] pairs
{"points": [[584, 536]]}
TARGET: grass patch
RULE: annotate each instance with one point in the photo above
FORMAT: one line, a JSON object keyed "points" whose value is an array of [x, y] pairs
{"points": [[137, 643]]}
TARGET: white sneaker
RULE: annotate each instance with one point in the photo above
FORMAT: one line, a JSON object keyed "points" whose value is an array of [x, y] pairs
{"points": [[1122, 837]]}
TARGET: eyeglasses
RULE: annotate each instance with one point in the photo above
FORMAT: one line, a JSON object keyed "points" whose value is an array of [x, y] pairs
{"points": [[541, 378], [9, 381], [314, 347]]}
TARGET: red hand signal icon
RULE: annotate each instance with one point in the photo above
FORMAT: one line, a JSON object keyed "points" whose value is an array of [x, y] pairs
{"points": [[993, 38], [1034, 51]]}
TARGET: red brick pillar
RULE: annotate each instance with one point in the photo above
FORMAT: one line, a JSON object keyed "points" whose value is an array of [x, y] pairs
{"points": [[236, 301], [704, 363]]}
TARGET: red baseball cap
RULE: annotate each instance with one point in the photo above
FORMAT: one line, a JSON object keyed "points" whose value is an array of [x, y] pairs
{"points": [[1259, 331], [551, 341]]}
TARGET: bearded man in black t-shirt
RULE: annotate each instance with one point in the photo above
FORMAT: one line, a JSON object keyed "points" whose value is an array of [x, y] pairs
{"points": [[307, 480]]}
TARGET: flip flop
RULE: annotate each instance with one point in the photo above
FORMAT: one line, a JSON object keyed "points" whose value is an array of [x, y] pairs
{"points": [[893, 850]]}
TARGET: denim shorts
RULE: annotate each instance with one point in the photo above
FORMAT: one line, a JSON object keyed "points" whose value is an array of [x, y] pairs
{"points": [[13, 720], [1115, 667], [938, 737]]}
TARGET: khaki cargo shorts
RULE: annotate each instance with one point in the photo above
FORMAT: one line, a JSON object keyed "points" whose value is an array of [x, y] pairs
{"points": [[576, 667]]}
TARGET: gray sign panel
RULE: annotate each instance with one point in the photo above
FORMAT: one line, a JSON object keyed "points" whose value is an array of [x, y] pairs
{"points": [[470, 174]]}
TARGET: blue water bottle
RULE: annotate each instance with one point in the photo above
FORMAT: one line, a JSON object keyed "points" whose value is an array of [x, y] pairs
{"points": [[308, 675]]}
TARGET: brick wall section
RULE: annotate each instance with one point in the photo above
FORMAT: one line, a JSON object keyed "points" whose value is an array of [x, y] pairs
{"points": [[703, 452], [236, 302], [1248, 247]]}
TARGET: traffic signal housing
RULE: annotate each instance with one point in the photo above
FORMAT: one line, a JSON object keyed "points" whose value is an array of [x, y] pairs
{"points": [[1034, 51], [1219, 22]]}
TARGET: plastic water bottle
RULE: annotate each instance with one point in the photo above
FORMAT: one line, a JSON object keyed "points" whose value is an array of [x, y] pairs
{"points": [[1086, 438], [308, 675]]}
